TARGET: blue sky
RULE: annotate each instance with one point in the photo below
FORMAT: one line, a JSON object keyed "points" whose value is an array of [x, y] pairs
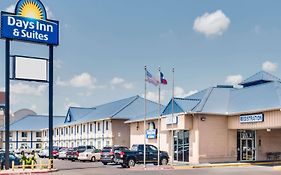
{"points": [[104, 45]]}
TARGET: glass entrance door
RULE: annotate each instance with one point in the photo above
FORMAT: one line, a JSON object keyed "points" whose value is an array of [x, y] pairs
{"points": [[247, 147], [181, 146]]}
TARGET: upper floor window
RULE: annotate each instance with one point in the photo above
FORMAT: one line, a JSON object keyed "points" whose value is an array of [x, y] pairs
{"points": [[77, 129], [61, 131], [84, 128], [66, 130], [106, 125], [98, 126], [72, 128], [91, 127], [23, 134], [38, 134]]}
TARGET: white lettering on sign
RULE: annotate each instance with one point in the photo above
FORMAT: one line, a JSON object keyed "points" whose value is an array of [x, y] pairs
{"points": [[251, 118]]}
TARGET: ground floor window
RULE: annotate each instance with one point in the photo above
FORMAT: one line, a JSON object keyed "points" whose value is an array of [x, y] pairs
{"points": [[181, 146], [246, 145]]}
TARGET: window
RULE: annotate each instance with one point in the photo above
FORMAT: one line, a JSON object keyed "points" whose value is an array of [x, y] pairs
{"points": [[57, 131], [91, 127], [66, 130], [72, 130], [84, 128], [98, 126], [107, 143], [38, 145], [38, 134], [77, 129], [61, 131], [106, 125], [23, 134], [11, 134]]}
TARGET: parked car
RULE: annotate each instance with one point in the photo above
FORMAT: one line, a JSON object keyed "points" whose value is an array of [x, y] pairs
{"points": [[92, 155], [72, 153], [62, 153], [107, 153], [24, 148], [129, 158], [44, 153], [12, 157]]}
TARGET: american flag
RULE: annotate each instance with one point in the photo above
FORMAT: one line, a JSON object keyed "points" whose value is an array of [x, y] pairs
{"points": [[149, 78]]}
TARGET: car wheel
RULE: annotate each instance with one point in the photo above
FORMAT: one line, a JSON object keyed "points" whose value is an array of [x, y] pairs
{"points": [[131, 162], [93, 159], [164, 161], [105, 163]]}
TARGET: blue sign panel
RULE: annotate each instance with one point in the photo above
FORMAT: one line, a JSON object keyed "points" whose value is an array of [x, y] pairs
{"points": [[251, 118], [151, 133], [29, 29]]}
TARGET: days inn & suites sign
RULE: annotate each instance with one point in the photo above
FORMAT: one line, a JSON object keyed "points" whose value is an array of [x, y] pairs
{"points": [[30, 23]]}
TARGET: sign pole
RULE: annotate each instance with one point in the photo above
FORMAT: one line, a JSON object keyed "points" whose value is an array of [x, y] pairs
{"points": [[7, 104], [51, 77]]}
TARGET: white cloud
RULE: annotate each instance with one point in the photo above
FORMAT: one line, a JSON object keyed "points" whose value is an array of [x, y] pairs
{"points": [[117, 81], [213, 24], [68, 103], [234, 79], [20, 88], [83, 80], [268, 66], [11, 8], [180, 92], [60, 82], [154, 96]]}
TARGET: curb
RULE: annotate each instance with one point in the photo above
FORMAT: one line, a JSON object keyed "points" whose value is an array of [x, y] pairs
{"points": [[212, 166], [276, 168], [4, 172]]}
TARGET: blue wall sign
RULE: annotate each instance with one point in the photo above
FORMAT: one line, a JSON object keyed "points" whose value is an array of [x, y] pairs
{"points": [[253, 118], [151, 133], [30, 23]]}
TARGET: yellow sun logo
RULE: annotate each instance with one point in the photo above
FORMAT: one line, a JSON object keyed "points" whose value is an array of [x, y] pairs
{"points": [[31, 9]]}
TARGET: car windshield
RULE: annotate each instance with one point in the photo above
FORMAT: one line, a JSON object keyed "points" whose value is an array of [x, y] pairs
{"points": [[106, 149], [134, 148]]}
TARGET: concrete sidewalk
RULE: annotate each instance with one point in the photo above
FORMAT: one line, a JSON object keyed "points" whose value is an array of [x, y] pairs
{"points": [[27, 171]]}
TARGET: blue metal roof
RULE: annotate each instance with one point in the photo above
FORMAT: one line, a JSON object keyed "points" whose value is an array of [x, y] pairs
{"points": [[262, 92], [259, 78], [76, 113], [34, 123], [128, 108]]}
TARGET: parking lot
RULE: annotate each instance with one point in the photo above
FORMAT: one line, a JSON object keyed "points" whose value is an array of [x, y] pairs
{"points": [[69, 168]]}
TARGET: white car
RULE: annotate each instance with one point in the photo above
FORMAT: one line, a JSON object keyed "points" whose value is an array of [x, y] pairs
{"points": [[90, 155], [62, 154], [43, 153]]}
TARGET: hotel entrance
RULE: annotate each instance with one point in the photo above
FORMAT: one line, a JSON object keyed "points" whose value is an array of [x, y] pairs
{"points": [[181, 146], [246, 143]]}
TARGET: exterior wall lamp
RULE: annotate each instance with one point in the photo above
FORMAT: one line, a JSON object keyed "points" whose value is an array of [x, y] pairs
{"points": [[203, 118]]}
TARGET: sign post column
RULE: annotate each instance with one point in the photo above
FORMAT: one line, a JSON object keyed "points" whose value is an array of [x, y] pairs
{"points": [[7, 104], [51, 76]]}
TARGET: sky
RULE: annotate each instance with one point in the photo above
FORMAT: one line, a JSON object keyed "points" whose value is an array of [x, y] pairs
{"points": [[105, 44]]}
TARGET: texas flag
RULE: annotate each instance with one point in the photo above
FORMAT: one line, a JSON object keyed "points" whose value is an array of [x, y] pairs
{"points": [[162, 79]]}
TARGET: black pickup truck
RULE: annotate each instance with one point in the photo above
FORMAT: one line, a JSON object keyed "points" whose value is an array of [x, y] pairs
{"points": [[129, 158]]}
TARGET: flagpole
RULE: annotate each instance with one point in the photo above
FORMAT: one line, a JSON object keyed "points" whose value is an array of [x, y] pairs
{"points": [[159, 113], [173, 98], [144, 123]]}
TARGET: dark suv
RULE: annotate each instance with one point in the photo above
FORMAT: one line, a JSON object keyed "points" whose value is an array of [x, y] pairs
{"points": [[107, 153]]}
